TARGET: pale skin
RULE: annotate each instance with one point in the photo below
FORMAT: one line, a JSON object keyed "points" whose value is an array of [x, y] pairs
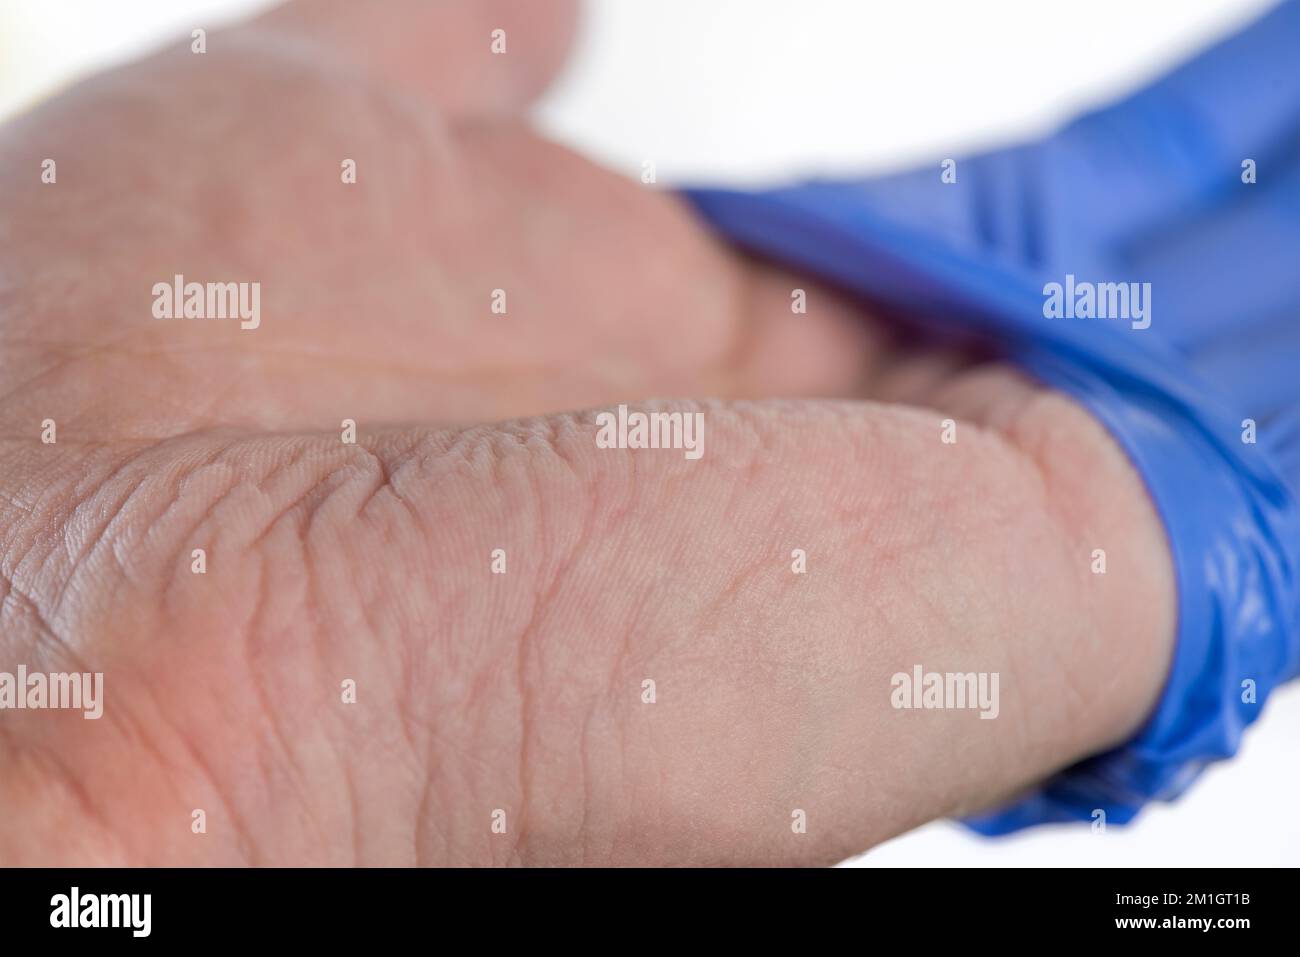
{"points": [[372, 562]]}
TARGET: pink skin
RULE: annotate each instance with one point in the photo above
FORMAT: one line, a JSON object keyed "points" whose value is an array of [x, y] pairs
{"points": [[325, 561]]}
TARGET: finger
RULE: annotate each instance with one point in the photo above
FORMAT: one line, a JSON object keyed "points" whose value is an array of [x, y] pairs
{"points": [[446, 50], [502, 595]]}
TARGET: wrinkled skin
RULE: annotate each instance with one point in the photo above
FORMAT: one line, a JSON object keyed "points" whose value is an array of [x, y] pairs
{"points": [[371, 562]]}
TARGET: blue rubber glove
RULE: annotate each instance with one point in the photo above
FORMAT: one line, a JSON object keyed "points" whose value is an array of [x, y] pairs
{"points": [[1152, 190]]}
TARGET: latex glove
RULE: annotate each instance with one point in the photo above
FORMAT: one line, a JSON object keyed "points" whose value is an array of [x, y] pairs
{"points": [[1152, 190]]}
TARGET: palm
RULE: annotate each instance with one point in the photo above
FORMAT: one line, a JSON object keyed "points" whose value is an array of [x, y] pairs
{"points": [[377, 297]]}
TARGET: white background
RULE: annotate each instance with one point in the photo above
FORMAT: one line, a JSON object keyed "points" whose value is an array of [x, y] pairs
{"points": [[751, 90]]}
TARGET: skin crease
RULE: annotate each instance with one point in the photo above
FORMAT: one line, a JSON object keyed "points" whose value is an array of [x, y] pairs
{"points": [[371, 562]]}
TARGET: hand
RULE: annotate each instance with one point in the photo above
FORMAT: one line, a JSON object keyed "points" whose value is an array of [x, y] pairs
{"points": [[371, 562]]}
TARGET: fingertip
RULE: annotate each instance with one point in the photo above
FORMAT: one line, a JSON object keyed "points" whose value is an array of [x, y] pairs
{"points": [[466, 56]]}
